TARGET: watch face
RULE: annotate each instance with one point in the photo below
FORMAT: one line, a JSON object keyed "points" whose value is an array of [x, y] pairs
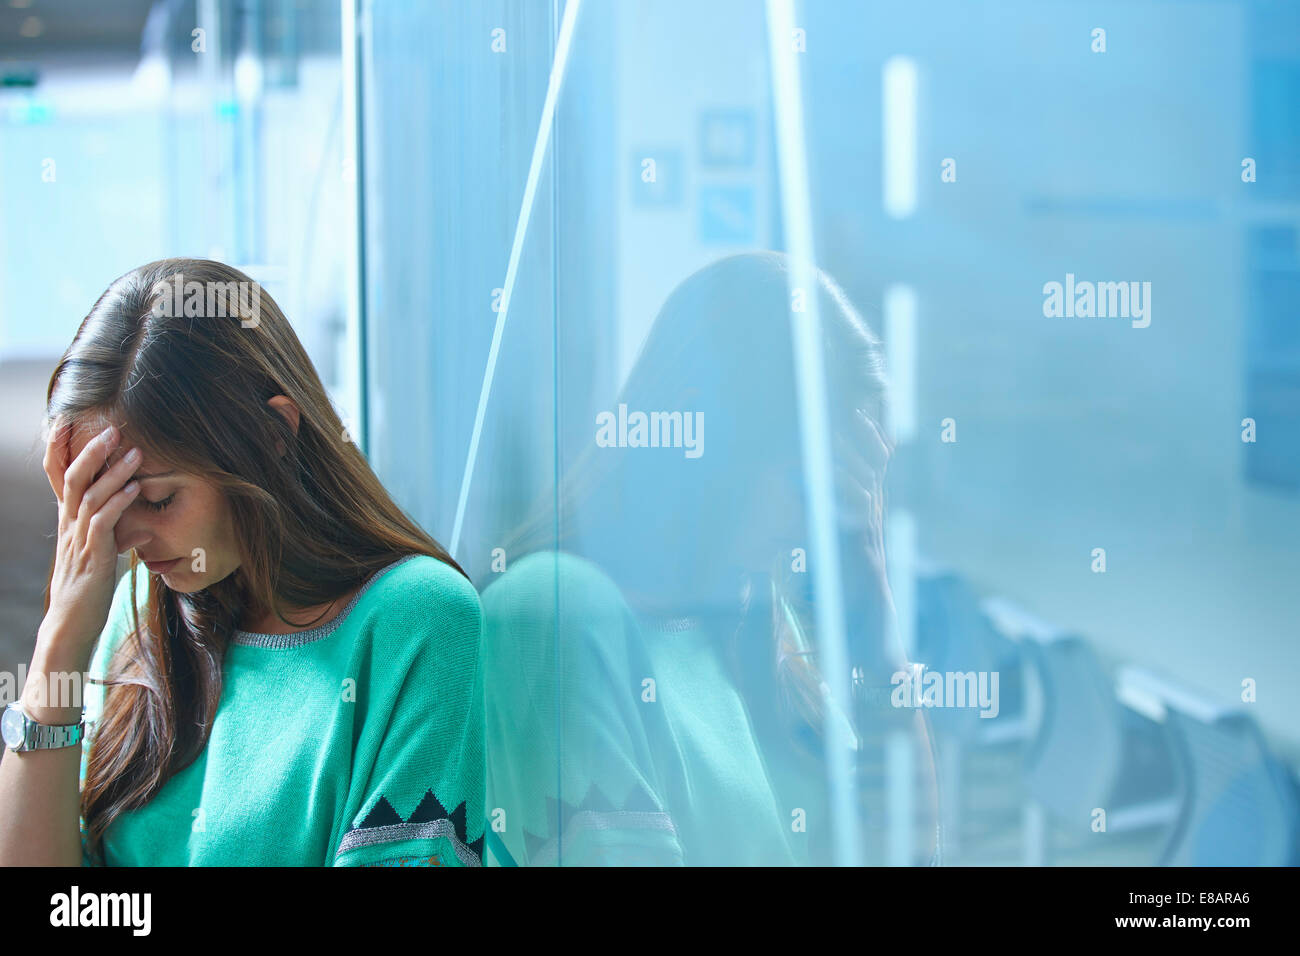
{"points": [[11, 727]]}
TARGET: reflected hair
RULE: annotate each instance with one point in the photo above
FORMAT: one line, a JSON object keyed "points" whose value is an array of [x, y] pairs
{"points": [[721, 344]]}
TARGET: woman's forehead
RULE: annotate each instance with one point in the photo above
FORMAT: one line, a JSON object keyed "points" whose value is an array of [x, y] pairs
{"points": [[86, 431]]}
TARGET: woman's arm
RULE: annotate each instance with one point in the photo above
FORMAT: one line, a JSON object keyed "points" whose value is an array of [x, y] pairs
{"points": [[39, 789]]}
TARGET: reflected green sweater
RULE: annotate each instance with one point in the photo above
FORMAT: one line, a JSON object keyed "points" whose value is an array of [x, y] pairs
{"points": [[359, 742], [613, 741]]}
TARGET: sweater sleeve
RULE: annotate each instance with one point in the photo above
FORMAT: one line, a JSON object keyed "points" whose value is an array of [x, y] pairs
{"points": [[117, 626], [417, 791]]}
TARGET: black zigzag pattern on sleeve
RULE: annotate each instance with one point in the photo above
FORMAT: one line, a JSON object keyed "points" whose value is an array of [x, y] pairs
{"points": [[383, 824]]}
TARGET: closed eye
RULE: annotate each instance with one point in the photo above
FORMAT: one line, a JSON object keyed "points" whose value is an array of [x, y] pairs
{"points": [[158, 505]]}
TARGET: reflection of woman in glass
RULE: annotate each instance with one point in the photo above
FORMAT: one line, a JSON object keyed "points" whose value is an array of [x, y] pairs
{"points": [[652, 680], [294, 680]]}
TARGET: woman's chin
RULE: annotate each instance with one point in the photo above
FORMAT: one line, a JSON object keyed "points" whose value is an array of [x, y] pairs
{"points": [[183, 582]]}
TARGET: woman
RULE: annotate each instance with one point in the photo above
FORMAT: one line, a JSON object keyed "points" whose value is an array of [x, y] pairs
{"points": [[653, 685], [294, 680]]}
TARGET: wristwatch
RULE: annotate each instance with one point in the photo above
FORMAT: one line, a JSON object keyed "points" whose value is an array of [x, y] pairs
{"points": [[21, 733]]}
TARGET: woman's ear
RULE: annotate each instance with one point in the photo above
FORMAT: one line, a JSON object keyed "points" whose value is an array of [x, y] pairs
{"points": [[286, 407]]}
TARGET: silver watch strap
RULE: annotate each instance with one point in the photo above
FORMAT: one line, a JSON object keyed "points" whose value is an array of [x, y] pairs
{"points": [[38, 736], [52, 736]]}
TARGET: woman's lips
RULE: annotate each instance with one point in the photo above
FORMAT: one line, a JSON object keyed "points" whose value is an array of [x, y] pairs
{"points": [[164, 567]]}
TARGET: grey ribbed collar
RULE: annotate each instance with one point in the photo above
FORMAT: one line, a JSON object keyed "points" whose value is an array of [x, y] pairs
{"points": [[298, 638]]}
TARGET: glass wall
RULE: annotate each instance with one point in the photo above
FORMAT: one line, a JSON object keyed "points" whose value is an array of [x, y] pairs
{"points": [[790, 379]]}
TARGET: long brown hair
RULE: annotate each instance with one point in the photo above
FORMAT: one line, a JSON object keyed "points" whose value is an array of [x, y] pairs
{"points": [[188, 376]]}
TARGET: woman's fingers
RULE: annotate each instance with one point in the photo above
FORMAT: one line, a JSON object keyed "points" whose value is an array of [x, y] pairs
{"points": [[104, 521], [109, 483], [81, 472], [56, 455]]}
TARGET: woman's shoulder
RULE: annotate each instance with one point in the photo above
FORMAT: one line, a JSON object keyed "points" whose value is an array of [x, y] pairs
{"points": [[428, 583], [422, 597]]}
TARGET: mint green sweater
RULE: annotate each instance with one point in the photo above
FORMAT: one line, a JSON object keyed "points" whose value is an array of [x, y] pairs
{"points": [[356, 743]]}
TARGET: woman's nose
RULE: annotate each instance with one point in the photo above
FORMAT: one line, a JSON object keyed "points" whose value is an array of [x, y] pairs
{"points": [[130, 532]]}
